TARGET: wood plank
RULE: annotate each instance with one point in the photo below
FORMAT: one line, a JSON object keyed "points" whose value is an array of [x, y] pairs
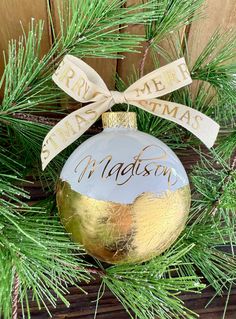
{"points": [[217, 13], [132, 61], [14, 11], [82, 306], [106, 68]]}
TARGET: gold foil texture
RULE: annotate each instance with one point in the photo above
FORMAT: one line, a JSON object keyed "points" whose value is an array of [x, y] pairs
{"points": [[119, 119], [124, 233]]}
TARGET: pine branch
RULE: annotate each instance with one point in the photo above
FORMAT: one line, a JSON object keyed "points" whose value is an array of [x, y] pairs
{"points": [[176, 14], [216, 64], [100, 23], [212, 222], [214, 181], [225, 183], [35, 118], [217, 191], [41, 265], [207, 255], [151, 289], [227, 145], [43, 258], [217, 195]]}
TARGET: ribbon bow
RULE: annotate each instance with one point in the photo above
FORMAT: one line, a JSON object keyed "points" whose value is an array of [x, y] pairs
{"points": [[82, 83]]}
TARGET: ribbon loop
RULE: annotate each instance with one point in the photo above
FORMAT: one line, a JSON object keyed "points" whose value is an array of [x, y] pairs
{"points": [[82, 83], [118, 97]]}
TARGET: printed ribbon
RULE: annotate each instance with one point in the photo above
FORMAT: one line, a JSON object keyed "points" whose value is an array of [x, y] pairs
{"points": [[82, 83]]}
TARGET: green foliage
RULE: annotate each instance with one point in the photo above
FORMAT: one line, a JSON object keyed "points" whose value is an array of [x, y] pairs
{"points": [[175, 14], [216, 64], [217, 266], [97, 33], [214, 180], [25, 87], [212, 222], [27, 238], [34, 248], [48, 270], [151, 289], [227, 145]]}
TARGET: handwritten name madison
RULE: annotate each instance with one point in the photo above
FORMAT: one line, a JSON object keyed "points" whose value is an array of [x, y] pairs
{"points": [[122, 172]]}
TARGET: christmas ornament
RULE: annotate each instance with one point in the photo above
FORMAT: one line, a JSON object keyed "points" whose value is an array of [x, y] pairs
{"points": [[123, 194]]}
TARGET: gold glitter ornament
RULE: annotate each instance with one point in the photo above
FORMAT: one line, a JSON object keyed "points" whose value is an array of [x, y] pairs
{"points": [[123, 194]]}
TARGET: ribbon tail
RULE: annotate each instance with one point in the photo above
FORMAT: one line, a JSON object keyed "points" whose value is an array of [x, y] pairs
{"points": [[71, 128], [202, 126]]}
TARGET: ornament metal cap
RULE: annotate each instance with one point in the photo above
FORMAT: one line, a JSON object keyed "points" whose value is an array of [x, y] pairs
{"points": [[119, 119]]}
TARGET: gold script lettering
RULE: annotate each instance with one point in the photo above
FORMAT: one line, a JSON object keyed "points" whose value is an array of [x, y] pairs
{"points": [[91, 165], [93, 113], [145, 90], [196, 125], [67, 75], [142, 165], [159, 86], [186, 116], [171, 112], [66, 130], [79, 120], [184, 70], [171, 77], [79, 85]]}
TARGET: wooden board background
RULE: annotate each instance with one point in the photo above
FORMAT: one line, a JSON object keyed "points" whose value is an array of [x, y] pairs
{"points": [[217, 13], [13, 13]]}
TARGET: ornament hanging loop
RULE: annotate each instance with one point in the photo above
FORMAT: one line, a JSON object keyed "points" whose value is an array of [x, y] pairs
{"points": [[118, 97], [128, 107]]}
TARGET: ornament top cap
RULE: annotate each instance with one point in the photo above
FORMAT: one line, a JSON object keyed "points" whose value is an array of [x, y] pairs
{"points": [[119, 119]]}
